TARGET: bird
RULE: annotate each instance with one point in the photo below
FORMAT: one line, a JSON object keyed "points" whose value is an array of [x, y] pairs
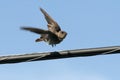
{"points": [[54, 35]]}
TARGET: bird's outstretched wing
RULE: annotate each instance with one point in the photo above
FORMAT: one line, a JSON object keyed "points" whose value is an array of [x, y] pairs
{"points": [[50, 21], [35, 30]]}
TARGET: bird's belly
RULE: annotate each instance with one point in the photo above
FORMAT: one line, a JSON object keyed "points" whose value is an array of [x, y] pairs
{"points": [[52, 39]]}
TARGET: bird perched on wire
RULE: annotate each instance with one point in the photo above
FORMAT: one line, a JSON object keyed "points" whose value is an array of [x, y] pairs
{"points": [[54, 35]]}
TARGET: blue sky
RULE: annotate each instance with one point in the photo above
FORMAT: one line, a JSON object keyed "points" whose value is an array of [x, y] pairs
{"points": [[89, 23]]}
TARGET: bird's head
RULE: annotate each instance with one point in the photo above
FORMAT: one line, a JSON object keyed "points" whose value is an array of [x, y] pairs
{"points": [[62, 35]]}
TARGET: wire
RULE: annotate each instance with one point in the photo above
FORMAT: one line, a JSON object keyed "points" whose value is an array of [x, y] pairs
{"points": [[38, 57], [59, 54], [111, 51], [104, 53]]}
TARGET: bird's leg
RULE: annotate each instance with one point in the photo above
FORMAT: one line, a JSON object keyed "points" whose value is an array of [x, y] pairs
{"points": [[53, 45]]}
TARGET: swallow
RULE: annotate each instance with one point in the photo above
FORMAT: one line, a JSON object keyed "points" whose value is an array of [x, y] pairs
{"points": [[54, 35]]}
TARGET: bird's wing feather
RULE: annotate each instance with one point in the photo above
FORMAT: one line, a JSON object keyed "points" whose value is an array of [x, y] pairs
{"points": [[47, 17], [35, 30], [50, 20]]}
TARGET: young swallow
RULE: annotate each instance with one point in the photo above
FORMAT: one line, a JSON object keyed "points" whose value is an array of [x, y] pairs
{"points": [[54, 35]]}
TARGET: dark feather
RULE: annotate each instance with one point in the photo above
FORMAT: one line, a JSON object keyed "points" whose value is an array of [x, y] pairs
{"points": [[35, 30], [50, 20]]}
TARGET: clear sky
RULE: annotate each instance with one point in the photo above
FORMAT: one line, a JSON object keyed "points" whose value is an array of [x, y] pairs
{"points": [[89, 23]]}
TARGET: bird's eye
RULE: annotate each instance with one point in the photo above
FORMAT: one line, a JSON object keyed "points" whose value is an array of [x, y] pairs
{"points": [[62, 32]]}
